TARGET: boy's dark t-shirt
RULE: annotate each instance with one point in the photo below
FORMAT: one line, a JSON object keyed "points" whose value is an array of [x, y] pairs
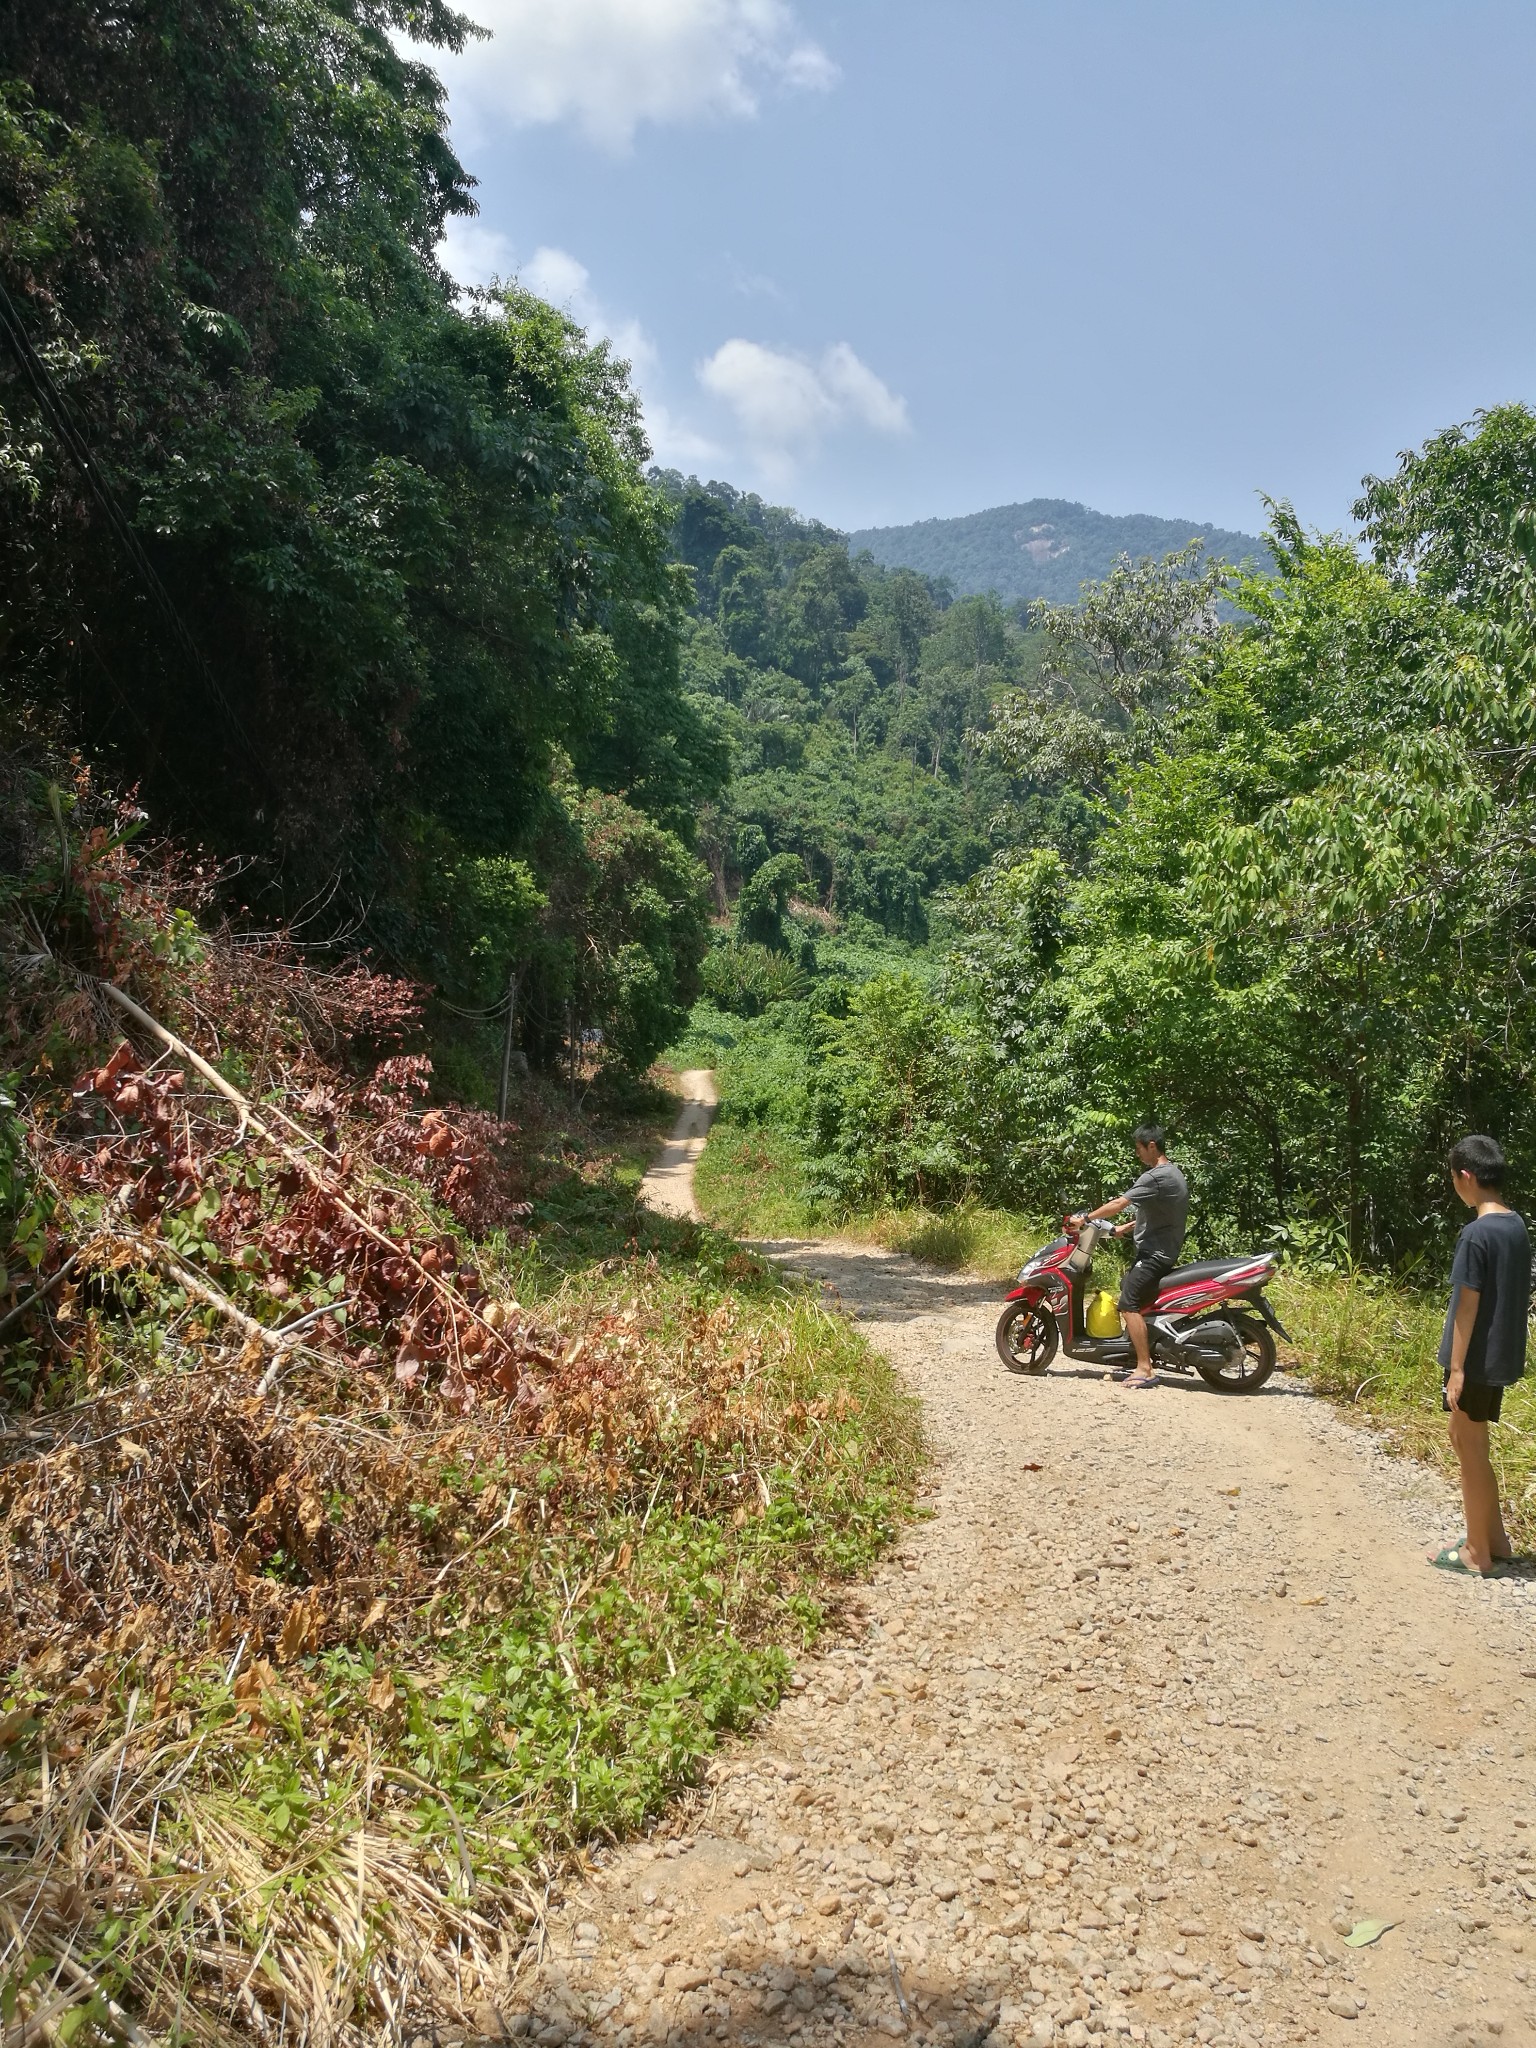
{"points": [[1493, 1257]]}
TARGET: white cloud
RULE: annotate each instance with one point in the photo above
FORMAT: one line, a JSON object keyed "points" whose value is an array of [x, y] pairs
{"points": [[778, 399], [677, 445], [860, 391], [785, 404], [753, 284], [473, 254], [566, 282], [556, 275], [608, 65]]}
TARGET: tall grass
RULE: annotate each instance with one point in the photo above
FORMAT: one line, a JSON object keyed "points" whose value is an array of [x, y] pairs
{"points": [[750, 1182], [990, 1243], [1371, 1346]]}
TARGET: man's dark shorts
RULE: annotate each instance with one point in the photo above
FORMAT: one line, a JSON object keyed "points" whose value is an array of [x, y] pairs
{"points": [[1139, 1287], [1479, 1403]]}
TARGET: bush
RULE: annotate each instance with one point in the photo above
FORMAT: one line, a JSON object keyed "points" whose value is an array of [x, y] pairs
{"points": [[747, 979]]}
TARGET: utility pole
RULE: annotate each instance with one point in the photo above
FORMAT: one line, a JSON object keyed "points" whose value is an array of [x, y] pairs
{"points": [[513, 979]]}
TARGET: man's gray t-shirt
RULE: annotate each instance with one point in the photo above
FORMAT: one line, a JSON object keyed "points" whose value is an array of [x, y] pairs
{"points": [[1161, 1201]]}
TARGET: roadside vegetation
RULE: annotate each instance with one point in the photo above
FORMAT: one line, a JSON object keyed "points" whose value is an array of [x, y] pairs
{"points": [[1298, 932], [1294, 927], [389, 1506]]}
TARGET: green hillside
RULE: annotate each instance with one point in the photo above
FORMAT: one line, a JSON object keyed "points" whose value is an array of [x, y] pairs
{"points": [[1046, 547]]}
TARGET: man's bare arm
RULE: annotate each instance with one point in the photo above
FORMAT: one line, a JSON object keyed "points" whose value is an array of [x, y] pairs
{"points": [[1103, 1211]]}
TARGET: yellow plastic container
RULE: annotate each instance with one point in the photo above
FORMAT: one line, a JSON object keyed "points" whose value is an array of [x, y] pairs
{"points": [[1103, 1318]]}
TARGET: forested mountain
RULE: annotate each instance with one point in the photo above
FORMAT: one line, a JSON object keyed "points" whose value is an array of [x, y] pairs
{"points": [[850, 699], [1046, 547]]}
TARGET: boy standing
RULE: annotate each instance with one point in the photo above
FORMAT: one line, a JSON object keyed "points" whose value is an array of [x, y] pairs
{"points": [[1483, 1349]]}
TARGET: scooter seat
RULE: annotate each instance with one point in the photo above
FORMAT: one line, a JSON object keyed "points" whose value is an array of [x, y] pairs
{"points": [[1211, 1269]]}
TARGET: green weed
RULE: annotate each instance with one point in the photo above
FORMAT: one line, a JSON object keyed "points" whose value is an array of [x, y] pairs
{"points": [[750, 1183], [990, 1243]]}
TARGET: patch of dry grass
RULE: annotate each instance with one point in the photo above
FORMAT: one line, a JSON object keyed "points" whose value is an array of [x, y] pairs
{"points": [[383, 1521], [499, 1643]]}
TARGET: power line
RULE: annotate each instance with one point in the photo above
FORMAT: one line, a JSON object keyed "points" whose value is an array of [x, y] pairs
{"points": [[51, 404]]}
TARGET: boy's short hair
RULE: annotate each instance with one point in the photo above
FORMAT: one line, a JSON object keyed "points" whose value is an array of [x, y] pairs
{"points": [[1151, 1134], [1482, 1157]]}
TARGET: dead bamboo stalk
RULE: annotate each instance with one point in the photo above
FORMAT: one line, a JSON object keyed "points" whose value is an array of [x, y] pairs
{"points": [[41, 1292], [162, 1256]]}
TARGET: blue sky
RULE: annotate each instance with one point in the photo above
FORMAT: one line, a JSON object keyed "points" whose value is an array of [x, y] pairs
{"points": [[887, 259]]}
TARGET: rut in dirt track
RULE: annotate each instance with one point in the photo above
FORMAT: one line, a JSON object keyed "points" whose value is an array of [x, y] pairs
{"points": [[1161, 1692]]}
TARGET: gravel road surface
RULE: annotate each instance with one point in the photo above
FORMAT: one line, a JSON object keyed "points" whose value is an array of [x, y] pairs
{"points": [[1156, 1706]]}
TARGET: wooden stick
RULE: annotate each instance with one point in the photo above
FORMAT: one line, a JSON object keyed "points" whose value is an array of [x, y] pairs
{"points": [[40, 1293]]}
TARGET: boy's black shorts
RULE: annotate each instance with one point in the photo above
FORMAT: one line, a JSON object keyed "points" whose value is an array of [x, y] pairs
{"points": [[1479, 1403], [1138, 1289]]}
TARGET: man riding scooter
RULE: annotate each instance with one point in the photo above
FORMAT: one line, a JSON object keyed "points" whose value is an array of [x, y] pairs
{"points": [[1159, 1200]]}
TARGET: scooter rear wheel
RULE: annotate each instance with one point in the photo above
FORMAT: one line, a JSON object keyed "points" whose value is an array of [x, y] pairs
{"points": [[1246, 1373], [1027, 1337]]}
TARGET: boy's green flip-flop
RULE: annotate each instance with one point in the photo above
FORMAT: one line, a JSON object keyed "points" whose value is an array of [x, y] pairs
{"points": [[1453, 1561]]}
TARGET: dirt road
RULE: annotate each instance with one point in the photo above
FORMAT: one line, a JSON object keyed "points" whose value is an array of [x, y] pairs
{"points": [[668, 1186], [1158, 1704]]}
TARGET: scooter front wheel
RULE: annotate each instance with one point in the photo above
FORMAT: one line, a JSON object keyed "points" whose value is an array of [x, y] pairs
{"points": [[1027, 1337]]}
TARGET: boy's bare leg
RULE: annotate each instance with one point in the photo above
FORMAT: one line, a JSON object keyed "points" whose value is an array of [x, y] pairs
{"points": [[1486, 1537]]}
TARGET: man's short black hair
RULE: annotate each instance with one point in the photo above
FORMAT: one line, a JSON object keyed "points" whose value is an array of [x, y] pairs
{"points": [[1154, 1134], [1482, 1157]]}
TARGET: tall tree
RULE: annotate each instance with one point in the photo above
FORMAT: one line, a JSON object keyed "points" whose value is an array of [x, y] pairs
{"points": [[351, 572]]}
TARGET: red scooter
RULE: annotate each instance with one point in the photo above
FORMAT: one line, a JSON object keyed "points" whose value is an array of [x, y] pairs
{"points": [[1211, 1319]]}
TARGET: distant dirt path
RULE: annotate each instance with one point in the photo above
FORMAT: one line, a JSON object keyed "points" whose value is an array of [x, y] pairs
{"points": [[668, 1187], [1160, 1692]]}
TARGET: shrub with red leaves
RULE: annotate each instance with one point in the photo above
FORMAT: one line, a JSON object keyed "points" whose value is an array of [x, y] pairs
{"points": [[414, 1294], [295, 1222], [462, 1155]]}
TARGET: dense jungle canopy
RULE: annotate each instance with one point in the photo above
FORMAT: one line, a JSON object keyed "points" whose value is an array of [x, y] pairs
{"points": [[368, 583], [430, 664], [1291, 914]]}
